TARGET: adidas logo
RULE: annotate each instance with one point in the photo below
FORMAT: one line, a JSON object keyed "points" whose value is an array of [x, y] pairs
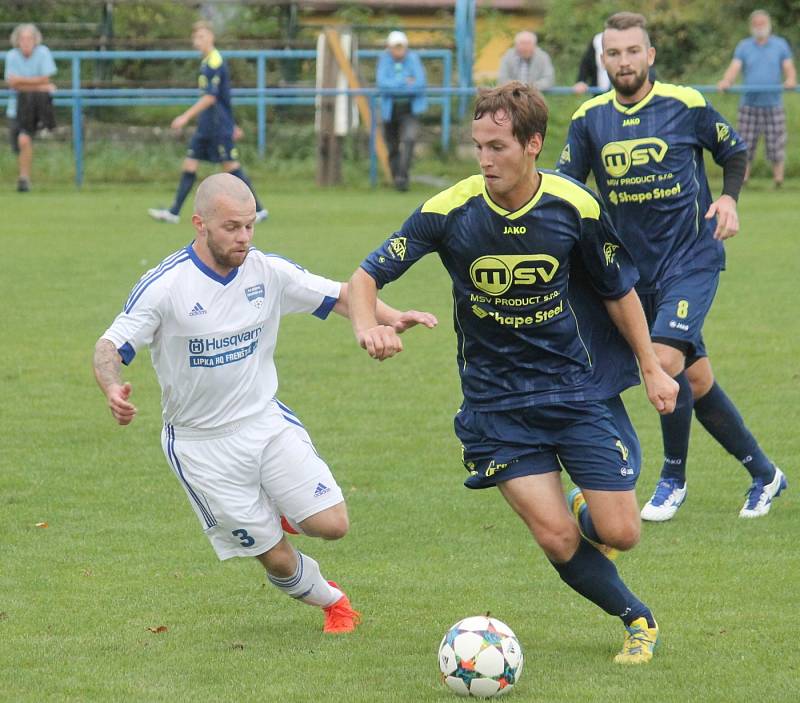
{"points": [[321, 490], [197, 310]]}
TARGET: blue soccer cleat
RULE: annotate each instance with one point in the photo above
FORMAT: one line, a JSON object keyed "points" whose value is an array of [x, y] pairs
{"points": [[760, 495], [667, 498]]}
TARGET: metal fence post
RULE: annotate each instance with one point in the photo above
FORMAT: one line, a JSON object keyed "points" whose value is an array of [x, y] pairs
{"points": [[77, 120], [261, 107], [373, 156]]}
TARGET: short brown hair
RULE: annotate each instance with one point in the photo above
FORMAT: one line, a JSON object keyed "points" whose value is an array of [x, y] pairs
{"points": [[524, 105], [628, 20], [202, 25]]}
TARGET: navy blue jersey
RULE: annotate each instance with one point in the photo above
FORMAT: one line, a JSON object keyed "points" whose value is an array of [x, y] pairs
{"points": [[215, 80], [647, 160], [527, 290]]}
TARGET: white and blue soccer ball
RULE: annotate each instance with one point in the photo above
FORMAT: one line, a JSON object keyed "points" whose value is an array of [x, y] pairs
{"points": [[480, 656]]}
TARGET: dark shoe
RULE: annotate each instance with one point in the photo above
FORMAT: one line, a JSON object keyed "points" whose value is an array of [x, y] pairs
{"points": [[23, 185]]}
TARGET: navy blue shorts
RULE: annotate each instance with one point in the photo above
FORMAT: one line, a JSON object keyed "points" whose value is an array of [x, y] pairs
{"points": [[593, 440], [214, 149], [676, 313]]}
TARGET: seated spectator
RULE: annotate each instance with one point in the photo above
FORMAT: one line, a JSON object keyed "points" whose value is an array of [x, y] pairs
{"points": [[527, 63]]}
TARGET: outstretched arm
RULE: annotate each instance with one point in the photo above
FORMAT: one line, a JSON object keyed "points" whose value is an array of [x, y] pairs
{"points": [[107, 368], [375, 324], [627, 314], [386, 314], [730, 74]]}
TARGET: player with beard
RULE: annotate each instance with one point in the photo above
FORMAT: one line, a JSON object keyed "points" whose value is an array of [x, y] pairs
{"points": [[644, 143]]}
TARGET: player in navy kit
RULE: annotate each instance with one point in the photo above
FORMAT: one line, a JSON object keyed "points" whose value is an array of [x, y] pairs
{"points": [[644, 143], [213, 140], [538, 277]]}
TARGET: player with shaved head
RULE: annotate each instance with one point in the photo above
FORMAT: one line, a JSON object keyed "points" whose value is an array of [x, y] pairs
{"points": [[209, 314]]}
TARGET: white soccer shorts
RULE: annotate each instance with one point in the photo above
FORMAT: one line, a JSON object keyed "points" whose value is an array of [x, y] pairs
{"points": [[241, 477]]}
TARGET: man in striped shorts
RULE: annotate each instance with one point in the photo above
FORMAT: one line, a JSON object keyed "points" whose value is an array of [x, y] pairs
{"points": [[764, 59]]}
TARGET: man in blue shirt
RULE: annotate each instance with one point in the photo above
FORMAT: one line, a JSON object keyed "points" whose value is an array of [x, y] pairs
{"points": [[401, 74], [644, 143], [28, 71], [214, 137], [547, 323], [763, 59]]}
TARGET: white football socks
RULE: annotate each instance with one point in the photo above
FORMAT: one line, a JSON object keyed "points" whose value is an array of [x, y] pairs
{"points": [[307, 584]]}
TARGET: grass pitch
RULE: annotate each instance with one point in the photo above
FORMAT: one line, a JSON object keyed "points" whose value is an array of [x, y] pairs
{"points": [[123, 553]]}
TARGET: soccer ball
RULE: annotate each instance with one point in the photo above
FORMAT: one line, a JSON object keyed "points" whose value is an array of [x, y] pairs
{"points": [[480, 656]]}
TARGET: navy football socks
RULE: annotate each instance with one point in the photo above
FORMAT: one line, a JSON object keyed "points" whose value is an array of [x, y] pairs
{"points": [[241, 176], [717, 413], [596, 578], [675, 429], [184, 188]]}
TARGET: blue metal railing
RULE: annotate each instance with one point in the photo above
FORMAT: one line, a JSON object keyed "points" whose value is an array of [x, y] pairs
{"points": [[260, 96]]}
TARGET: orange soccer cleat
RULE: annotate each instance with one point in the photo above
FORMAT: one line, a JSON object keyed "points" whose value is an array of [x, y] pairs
{"points": [[340, 617]]}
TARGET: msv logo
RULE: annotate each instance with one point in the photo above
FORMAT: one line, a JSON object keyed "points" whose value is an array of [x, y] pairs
{"points": [[496, 274], [618, 157]]}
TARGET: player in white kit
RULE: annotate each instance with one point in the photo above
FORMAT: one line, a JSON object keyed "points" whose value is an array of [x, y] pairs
{"points": [[210, 315]]}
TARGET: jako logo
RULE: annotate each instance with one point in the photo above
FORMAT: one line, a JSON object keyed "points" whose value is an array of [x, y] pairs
{"points": [[618, 157], [514, 230], [496, 274]]}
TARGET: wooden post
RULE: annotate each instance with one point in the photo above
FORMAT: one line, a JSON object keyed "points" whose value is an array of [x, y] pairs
{"points": [[329, 151], [334, 44]]}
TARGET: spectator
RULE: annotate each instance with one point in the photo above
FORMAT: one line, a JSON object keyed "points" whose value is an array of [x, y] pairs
{"points": [[213, 140], [29, 67], [591, 71], [764, 59], [527, 63], [401, 75]]}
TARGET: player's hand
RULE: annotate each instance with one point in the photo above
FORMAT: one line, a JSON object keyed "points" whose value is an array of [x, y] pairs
{"points": [[662, 390], [179, 122], [412, 318], [122, 410], [381, 342], [724, 208]]}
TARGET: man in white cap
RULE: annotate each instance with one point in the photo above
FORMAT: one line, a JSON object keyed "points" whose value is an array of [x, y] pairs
{"points": [[401, 76]]}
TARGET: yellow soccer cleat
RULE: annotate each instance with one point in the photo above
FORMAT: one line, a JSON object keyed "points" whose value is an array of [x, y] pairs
{"points": [[640, 643], [577, 504]]}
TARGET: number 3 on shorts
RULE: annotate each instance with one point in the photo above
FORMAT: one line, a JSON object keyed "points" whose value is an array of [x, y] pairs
{"points": [[243, 537], [683, 309]]}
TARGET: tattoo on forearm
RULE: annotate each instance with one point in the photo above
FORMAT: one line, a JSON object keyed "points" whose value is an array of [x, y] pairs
{"points": [[107, 364]]}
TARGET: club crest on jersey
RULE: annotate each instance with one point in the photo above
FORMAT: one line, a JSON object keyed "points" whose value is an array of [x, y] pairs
{"points": [[397, 247], [618, 157], [255, 294], [610, 251]]}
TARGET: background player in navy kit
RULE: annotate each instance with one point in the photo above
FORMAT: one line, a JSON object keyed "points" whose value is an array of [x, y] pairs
{"points": [[535, 263], [644, 143], [214, 139]]}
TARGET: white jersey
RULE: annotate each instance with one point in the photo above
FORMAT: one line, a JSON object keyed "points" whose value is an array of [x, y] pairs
{"points": [[212, 339]]}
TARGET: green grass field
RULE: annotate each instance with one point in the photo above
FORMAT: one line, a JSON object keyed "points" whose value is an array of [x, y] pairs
{"points": [[123, 553]]}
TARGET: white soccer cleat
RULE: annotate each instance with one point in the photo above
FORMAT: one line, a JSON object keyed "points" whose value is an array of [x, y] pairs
{"points": [[760, 495], [262, 214], [667, 498], [163, 215]]}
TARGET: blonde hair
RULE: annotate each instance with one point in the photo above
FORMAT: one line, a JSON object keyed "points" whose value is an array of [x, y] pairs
{"points": [[203, 25], [25, 28]]}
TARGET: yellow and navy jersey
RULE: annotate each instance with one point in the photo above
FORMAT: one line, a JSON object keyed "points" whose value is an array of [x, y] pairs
{"points": [[527, 290], [214, 79], [647, 161]]}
